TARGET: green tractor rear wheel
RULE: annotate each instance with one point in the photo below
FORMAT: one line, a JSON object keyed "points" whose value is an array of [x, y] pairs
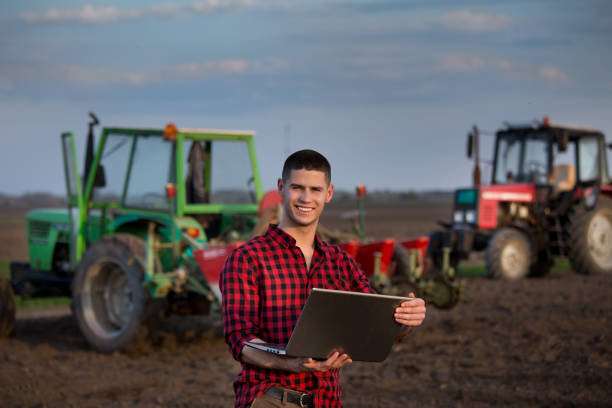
{"points": [[113, 309], [7, 308]]}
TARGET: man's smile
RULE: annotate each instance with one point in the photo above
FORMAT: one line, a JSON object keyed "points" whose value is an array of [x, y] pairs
{"points": [[305, 210]]}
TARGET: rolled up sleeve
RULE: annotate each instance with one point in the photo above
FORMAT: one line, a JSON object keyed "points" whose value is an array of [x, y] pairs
{"points": [[240, 301]]}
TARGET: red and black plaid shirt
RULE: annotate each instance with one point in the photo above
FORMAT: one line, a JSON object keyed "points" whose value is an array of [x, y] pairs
{"points": [[265, 284]]}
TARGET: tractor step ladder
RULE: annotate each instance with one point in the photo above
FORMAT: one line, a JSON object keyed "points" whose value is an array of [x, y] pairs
{"points": [[556, 236]]}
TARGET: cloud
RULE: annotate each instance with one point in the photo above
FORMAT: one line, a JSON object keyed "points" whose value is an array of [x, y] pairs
{"points": [[471, 21], [108, 76], [552, 74], [473, 63], [86, 14], [89, 14]]}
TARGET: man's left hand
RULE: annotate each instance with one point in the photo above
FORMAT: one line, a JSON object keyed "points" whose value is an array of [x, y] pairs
{"points": [[411, 312]]}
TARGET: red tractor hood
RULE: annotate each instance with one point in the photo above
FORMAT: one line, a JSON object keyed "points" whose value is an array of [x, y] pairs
{"points": [[491, 196]]}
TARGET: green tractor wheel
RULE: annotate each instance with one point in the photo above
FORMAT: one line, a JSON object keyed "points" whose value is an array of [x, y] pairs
{"points": [[113, 309], [590, 238], [7, 308]]}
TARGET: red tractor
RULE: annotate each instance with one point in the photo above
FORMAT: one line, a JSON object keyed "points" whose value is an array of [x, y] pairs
{"points": [[550, 197]]}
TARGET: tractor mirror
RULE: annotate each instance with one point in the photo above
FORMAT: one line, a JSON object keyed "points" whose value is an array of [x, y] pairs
{"points": [[590, 197], [100, 180], [470, 143], [563, 141]]}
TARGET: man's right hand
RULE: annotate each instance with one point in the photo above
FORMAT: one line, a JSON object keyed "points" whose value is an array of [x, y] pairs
{"points": [[336, 360]]}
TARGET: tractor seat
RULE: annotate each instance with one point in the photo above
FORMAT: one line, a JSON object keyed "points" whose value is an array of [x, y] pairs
{"points": [[564, 178]]}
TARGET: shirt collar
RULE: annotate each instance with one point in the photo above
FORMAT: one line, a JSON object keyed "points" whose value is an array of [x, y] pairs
{"points": [[287, 241]]}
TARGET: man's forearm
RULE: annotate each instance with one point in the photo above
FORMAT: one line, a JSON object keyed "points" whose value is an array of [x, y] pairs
{"points": [[264, 359]]}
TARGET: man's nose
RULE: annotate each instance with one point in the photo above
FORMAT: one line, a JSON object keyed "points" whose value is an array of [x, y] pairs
{"points": [[305, 196]]}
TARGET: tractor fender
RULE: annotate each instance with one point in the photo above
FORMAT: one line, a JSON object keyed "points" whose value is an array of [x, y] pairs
{"points": [[137, 224], [591, 195]]}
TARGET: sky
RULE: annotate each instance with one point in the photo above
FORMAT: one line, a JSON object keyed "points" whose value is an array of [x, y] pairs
{"points": [[387, 90]]}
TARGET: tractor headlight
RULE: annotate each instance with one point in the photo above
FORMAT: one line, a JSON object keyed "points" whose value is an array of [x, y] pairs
{"points": [[470, 216], [458, 216]]}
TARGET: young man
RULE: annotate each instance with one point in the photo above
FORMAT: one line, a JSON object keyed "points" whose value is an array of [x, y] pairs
{"points": [[265, 284]]}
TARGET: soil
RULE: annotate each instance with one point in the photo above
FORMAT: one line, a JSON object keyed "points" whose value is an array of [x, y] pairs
{"points": [[532, 343]]}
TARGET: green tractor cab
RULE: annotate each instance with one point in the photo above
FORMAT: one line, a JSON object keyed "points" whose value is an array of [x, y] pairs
{"points": [[125, 248]]}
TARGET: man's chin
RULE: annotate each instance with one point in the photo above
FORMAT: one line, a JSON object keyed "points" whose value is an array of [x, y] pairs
{"points": [[303, 221]]}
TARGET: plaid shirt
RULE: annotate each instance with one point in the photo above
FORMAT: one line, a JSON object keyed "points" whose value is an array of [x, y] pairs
{"points": [[265, 284]]}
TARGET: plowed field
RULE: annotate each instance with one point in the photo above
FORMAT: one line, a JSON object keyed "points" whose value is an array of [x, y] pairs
{"points": [[533, 343]]}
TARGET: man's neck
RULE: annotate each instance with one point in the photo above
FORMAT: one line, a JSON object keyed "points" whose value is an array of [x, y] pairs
{"points": [[304, 235]]}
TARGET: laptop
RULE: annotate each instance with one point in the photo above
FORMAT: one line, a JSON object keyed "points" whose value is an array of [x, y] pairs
{"points": [[361, 325]]}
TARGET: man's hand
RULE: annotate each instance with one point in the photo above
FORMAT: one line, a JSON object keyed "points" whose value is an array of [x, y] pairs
{"points": [[411, 312], [336, 360]]}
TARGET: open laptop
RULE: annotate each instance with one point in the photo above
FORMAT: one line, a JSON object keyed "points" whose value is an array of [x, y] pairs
{"points": [[361, 325]]}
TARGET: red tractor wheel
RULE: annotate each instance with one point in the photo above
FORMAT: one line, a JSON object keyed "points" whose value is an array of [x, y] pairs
{"points": [[508, 254], [590, 238]]}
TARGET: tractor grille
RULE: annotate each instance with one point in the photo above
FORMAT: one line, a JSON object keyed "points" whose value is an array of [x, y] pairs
{"points": [[39, 229]]}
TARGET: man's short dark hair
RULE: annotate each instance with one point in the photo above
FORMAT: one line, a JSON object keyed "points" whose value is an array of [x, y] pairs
{"points": [[307, 160]]}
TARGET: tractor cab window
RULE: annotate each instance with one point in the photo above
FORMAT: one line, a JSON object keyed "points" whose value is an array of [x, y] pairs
{"points": [[521, 158], [197, 182], [535, 163], [152, 168], [218, 172], [588, 159], [564, 168], [507, 160], [115, 158]]}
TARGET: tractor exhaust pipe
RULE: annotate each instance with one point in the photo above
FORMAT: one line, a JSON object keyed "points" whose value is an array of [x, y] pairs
{"points": [[89, 149], [474, 148]]}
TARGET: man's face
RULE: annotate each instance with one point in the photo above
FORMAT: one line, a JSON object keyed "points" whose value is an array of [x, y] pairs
{"points": [[305, 194]]}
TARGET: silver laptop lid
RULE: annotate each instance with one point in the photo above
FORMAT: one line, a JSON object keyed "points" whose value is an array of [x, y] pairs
{"points": [[359, 324]]}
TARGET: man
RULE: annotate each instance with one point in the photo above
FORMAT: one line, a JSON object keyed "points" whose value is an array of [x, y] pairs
{"points": [[265, 284]]}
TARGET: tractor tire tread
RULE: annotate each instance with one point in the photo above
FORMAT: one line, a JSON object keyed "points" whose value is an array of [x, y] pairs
{"points": [[495, 248], [128, 248], [579, 255]]}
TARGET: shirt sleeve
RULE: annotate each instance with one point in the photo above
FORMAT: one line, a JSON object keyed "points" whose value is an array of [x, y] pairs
{"points": [[359, 281], [240, 301]]}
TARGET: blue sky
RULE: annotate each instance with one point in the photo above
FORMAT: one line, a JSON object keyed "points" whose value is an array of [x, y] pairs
{"points": [[387, 90]]}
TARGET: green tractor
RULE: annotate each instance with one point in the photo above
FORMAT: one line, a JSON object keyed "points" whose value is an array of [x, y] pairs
{"points": [[146, 231]]}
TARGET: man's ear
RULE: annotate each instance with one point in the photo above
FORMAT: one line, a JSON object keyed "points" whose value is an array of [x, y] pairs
{"points": [[279, 185], [330, 193]]}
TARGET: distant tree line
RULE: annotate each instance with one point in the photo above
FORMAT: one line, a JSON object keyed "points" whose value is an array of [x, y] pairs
{"points": [[32, 200], [389, 195], [36, 199]]}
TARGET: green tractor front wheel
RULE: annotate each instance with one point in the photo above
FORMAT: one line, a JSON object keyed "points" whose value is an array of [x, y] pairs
{"points": [[113, 309], [7, 308]]}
